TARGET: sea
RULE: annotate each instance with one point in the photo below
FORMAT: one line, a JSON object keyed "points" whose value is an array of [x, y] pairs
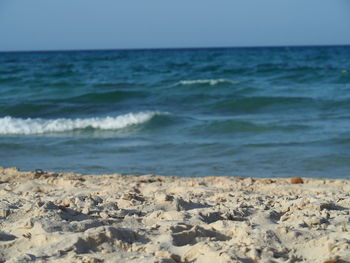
{"points": [[248, 112]]}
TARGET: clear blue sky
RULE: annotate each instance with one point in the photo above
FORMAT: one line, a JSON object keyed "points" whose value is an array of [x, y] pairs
{"points": [[99, 24]]}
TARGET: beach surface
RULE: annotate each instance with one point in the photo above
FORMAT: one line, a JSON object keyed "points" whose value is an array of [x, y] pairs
{"points": [[54, 217]]}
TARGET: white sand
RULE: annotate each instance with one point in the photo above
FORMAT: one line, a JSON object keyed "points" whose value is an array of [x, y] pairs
{"points": [[113, 218]]}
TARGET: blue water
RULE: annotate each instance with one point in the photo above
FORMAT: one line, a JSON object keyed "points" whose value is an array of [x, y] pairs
{"points": [[264, 112]]}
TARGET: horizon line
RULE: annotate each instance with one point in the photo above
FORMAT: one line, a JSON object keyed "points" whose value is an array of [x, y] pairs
{"points": [[173, 48]]}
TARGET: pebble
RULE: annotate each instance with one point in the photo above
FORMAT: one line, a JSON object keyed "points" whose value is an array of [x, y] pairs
{"points": [[66, 203], [296, 180]]}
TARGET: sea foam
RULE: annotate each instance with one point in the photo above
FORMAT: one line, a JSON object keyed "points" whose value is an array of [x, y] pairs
{"points": [[12, 126], [211, 82]]}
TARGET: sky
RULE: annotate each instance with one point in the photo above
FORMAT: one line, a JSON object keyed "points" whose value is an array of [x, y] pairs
{"points": [[116, 24]]}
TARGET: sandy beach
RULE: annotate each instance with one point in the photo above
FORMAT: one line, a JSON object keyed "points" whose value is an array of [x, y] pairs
{"points": [[52, 217]]}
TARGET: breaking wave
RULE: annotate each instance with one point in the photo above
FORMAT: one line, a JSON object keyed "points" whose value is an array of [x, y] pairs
{"points": [[11, 126], [211, 82]]}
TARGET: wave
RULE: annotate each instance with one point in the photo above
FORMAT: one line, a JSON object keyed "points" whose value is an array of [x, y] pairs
{"points": [[211, 82], [13, 126]]}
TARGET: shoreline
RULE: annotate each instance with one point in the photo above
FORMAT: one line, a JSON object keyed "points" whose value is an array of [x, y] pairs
{"points": [[68, 217]]}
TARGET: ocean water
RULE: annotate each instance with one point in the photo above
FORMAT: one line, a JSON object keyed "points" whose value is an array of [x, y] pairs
{"points": [[262, 112]]}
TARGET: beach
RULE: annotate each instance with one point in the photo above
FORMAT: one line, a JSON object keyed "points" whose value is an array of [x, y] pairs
{"points": [[174, 132], [69, 217]]}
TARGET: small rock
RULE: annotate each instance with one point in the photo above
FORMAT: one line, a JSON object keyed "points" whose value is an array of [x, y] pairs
{"points": [[296, 180], [66, 203]]}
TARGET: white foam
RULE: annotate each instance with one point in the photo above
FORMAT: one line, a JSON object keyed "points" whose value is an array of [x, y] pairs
{"points": [[9, 125], [211, 82]]}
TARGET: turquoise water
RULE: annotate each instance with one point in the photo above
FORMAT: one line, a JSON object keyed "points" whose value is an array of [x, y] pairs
{"points": [[261, 112]]}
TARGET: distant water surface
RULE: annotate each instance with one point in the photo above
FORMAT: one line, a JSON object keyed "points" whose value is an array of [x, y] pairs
{"points": [[264, 112]]}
